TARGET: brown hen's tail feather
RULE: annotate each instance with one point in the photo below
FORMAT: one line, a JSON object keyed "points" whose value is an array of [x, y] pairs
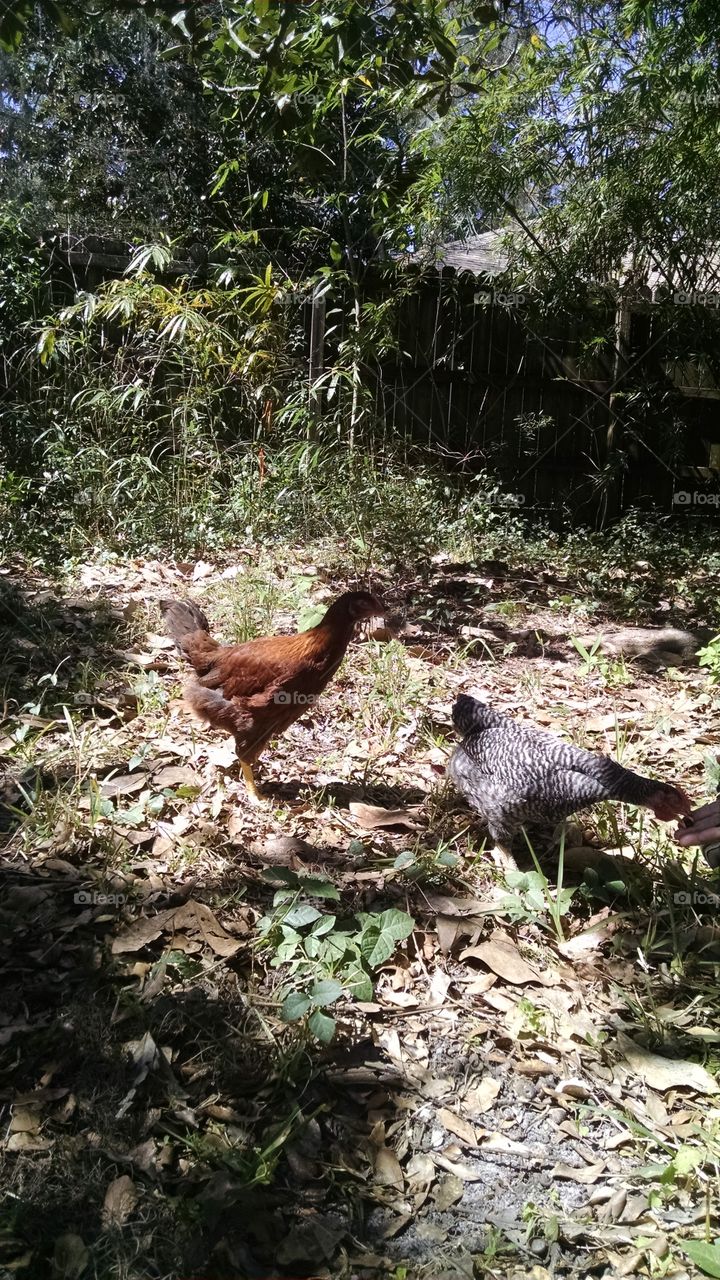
{"points": [[182, 617], [189, 628]]}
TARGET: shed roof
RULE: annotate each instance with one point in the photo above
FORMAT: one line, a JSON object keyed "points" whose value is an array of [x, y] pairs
{"points": [[485, 254]]}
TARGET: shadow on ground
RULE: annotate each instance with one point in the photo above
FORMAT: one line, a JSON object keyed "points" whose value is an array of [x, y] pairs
{"points": [[56, 653], [248, 1149]]}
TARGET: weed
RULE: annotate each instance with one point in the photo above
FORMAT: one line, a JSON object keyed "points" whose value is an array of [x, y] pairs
{"points": [[530, 682], [151, 693], [709, 657], [248, 605], [331, 956], [426, 865], [497, 1245], [392, 689], [613, 671], [508, 608], [533, 899]]}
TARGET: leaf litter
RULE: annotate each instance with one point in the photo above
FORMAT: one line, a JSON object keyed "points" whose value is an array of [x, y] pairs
{"points": [[505, 1088]]}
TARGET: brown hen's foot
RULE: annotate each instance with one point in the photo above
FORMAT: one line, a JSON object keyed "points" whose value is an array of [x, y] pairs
{"points": [[254, 796]]}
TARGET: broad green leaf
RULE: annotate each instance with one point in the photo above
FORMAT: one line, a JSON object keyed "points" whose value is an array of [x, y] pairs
{"points": [[705, 1256], [322, 1026], [295, 1006], [357, 982], [280, 875], [323, 926], [381, 936], [318, 887], [301, 915], [687, 1158], [404, 859], [325, 992], [335, 947]]}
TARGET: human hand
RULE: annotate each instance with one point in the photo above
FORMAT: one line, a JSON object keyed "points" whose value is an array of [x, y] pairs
{"points": [[702, 827]]}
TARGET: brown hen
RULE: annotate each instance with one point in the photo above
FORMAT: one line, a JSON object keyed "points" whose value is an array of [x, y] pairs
{"points": [[256, 690]]}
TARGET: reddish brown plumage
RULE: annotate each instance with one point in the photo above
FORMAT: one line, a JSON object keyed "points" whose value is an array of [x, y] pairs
{"points": [[255, 690]]}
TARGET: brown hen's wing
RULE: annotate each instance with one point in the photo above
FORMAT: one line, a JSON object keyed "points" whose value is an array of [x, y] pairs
{"points": [[271, 664]]}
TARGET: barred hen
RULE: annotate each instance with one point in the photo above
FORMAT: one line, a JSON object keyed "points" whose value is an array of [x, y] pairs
{"points": [[515, 774], [256, 690]]}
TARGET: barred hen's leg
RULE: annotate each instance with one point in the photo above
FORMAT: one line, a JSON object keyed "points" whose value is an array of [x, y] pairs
{"points": [[502, 834], [253, 793], [502, 831]]}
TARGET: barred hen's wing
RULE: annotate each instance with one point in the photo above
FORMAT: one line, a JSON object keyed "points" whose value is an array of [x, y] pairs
{"points": [[539, 763]]}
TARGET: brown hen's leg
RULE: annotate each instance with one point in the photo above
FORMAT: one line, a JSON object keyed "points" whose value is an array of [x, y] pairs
{"points": [[253, 793]]}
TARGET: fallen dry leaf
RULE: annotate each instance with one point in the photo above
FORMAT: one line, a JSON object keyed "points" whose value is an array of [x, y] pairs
{"points": [[481, 1097], [458, 1170], [388, 1172], [24, 1120], [224, 757], [588, 940], [191, 917], [370, 817], [123, 785], [586, 1175], [176, 775], [450, 1190], [155, 641], [479, 985], [120, 1200], [451, 930], [665, 1073], [455, 1124], [24, 1141], [420, 1169], [146, 1057], [499, 1142], [503, 957]]}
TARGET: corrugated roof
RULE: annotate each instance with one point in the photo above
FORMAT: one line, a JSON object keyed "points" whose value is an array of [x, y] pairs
{"points": [[482, 254], [485, 255]]}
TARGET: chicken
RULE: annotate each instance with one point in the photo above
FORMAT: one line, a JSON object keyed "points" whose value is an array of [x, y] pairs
{"points": [[256, 690], [515, 774]]}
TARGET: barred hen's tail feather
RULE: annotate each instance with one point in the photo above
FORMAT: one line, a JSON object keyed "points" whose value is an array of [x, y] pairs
{"points": [[469, 715]]}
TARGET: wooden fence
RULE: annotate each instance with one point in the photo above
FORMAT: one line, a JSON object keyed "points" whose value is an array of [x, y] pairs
{"points": [[487, 383], [544, 405]]}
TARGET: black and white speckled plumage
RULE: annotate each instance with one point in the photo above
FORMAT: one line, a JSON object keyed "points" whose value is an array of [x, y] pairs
{"points": [[515, 774]]}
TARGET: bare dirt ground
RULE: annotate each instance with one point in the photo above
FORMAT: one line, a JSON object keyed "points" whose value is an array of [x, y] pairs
{"points": [[520, 1077]]}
